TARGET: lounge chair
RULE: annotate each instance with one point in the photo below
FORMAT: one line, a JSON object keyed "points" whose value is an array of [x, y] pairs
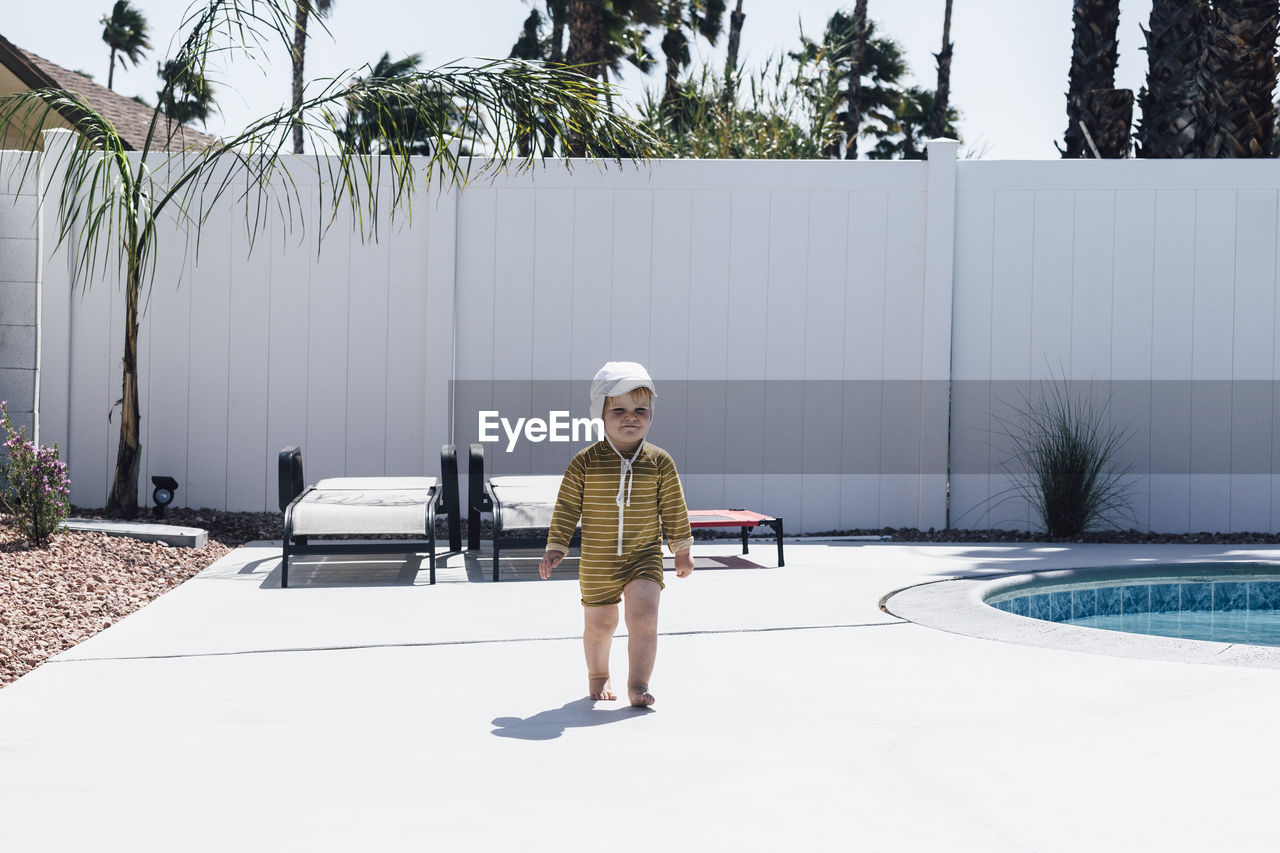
{"points": [[521, 502], [528, 502], [365, 506]]}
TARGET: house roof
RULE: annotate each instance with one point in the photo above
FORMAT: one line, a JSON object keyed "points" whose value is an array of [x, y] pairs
{"points": [[130, 118]]}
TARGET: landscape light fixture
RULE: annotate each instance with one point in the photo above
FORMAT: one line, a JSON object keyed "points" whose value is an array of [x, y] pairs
{"points": [[162, 496]]}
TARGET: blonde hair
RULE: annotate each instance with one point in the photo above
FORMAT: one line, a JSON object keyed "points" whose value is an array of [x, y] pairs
{"points": [[643, 395]]}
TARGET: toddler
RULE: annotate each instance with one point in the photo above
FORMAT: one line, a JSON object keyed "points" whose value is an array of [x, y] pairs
{"points": [[627, 494]]}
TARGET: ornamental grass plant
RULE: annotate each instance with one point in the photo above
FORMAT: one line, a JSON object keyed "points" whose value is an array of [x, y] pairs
{"points": [[772, 113], [1065, 460], [34, 488]]}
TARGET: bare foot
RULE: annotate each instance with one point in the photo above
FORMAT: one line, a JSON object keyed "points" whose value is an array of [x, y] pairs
{"points": [[640, 696], [598, 688]]}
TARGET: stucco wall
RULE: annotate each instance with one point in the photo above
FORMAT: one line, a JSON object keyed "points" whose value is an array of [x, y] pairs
{"points": [[11, 139]]}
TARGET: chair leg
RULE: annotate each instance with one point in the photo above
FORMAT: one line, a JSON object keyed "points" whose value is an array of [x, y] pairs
{"points": [[431, 551], [284, 564], [496, 550], [497, 537], [777, 529], [431, 537]]}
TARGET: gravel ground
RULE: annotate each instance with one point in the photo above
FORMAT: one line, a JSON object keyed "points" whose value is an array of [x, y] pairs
{"points": [[52, 598]]}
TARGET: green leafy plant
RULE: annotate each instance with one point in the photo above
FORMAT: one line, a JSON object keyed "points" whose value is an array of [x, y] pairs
{"points": [[771, 116], [1065, 460], [796, 105], [35, 491]]}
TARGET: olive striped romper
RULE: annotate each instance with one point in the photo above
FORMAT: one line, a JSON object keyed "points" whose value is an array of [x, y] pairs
{"points": [[589, 492]]}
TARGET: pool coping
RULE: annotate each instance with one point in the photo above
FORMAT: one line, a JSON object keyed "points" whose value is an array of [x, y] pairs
{"points": [[958, 606]]}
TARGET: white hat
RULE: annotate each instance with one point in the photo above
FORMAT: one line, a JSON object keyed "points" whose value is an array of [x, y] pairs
{"points": [[615, 379]]}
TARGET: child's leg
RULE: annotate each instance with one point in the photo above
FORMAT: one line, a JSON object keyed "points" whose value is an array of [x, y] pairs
{"points": [[641, 600], [597, 636]]}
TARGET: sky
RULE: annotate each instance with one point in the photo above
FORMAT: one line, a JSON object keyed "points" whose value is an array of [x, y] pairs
{"points": [[1008, 79]]}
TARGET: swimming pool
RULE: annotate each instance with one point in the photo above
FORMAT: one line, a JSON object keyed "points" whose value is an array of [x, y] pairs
{"points": [[1221, 610], [1226, 609]]}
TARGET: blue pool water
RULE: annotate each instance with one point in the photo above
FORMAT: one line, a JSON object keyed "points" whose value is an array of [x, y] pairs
{"points": [[1229, 609]]}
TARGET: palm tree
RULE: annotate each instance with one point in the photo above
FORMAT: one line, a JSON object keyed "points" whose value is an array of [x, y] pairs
{"points": [[547, 48], [302, 13], [558, 11], [125, 32], [114, 200], [532, 46], [586, 36], [1094, 54], [624, 26], [1108, 113], [865, 78], [938, 118], [622, 37], [186, 95], [1170, 126], [1237, 78], [385, 126], [854, 111], [905, 137], [627, 24], [681, 18], [736, 20], [604, 32]]}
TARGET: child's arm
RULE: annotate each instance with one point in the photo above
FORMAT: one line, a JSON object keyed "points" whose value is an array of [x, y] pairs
{"points": [[675, 518], [564, 520], [684, 563], [550, 560]]}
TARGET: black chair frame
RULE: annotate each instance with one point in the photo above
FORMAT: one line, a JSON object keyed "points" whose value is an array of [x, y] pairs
{"points": [[481, 499], [291, 490]]}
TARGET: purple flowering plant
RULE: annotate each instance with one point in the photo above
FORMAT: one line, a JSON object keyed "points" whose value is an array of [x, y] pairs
{"points": [[34, 488]]}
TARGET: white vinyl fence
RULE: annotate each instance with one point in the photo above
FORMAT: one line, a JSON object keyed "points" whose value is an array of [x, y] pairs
{"points": [[806, 323], [1153, 280]]}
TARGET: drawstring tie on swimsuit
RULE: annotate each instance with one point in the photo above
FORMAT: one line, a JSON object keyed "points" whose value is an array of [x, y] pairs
{"points": [[625, 480]]}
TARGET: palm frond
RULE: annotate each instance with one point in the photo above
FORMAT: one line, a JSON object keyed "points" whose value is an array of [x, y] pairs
{"points": [[96, 178], [494, 104], [111, 199]]}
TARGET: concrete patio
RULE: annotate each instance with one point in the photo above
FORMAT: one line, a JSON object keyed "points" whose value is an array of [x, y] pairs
{"points": [[366, 710]]}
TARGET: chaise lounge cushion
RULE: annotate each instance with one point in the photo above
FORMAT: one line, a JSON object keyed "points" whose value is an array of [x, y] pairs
{"points": [[526, 501], [368, 505]]}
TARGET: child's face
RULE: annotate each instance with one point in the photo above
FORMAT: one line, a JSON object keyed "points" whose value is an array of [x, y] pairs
{"points": [[626, 420]]}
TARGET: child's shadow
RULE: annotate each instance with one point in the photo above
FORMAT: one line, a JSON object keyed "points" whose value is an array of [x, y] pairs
{"points": [[548, 725]]}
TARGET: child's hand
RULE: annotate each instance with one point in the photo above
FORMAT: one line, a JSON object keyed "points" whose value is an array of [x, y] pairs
{"points": [[684, 563], [550, 560]]}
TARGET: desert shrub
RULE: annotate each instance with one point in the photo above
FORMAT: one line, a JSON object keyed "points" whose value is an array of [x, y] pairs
{"points": [[1065, 460], [34, 488]]}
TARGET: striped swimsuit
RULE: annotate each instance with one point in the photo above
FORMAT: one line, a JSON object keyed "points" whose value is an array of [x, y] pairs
{"points": [[590, 492]]}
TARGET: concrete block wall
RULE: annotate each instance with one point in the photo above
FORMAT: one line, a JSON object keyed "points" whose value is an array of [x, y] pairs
{"points": [[19, 301]]}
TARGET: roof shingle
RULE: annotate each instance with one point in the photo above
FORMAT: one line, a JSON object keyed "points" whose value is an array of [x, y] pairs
{"points": [[130, 118]]}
